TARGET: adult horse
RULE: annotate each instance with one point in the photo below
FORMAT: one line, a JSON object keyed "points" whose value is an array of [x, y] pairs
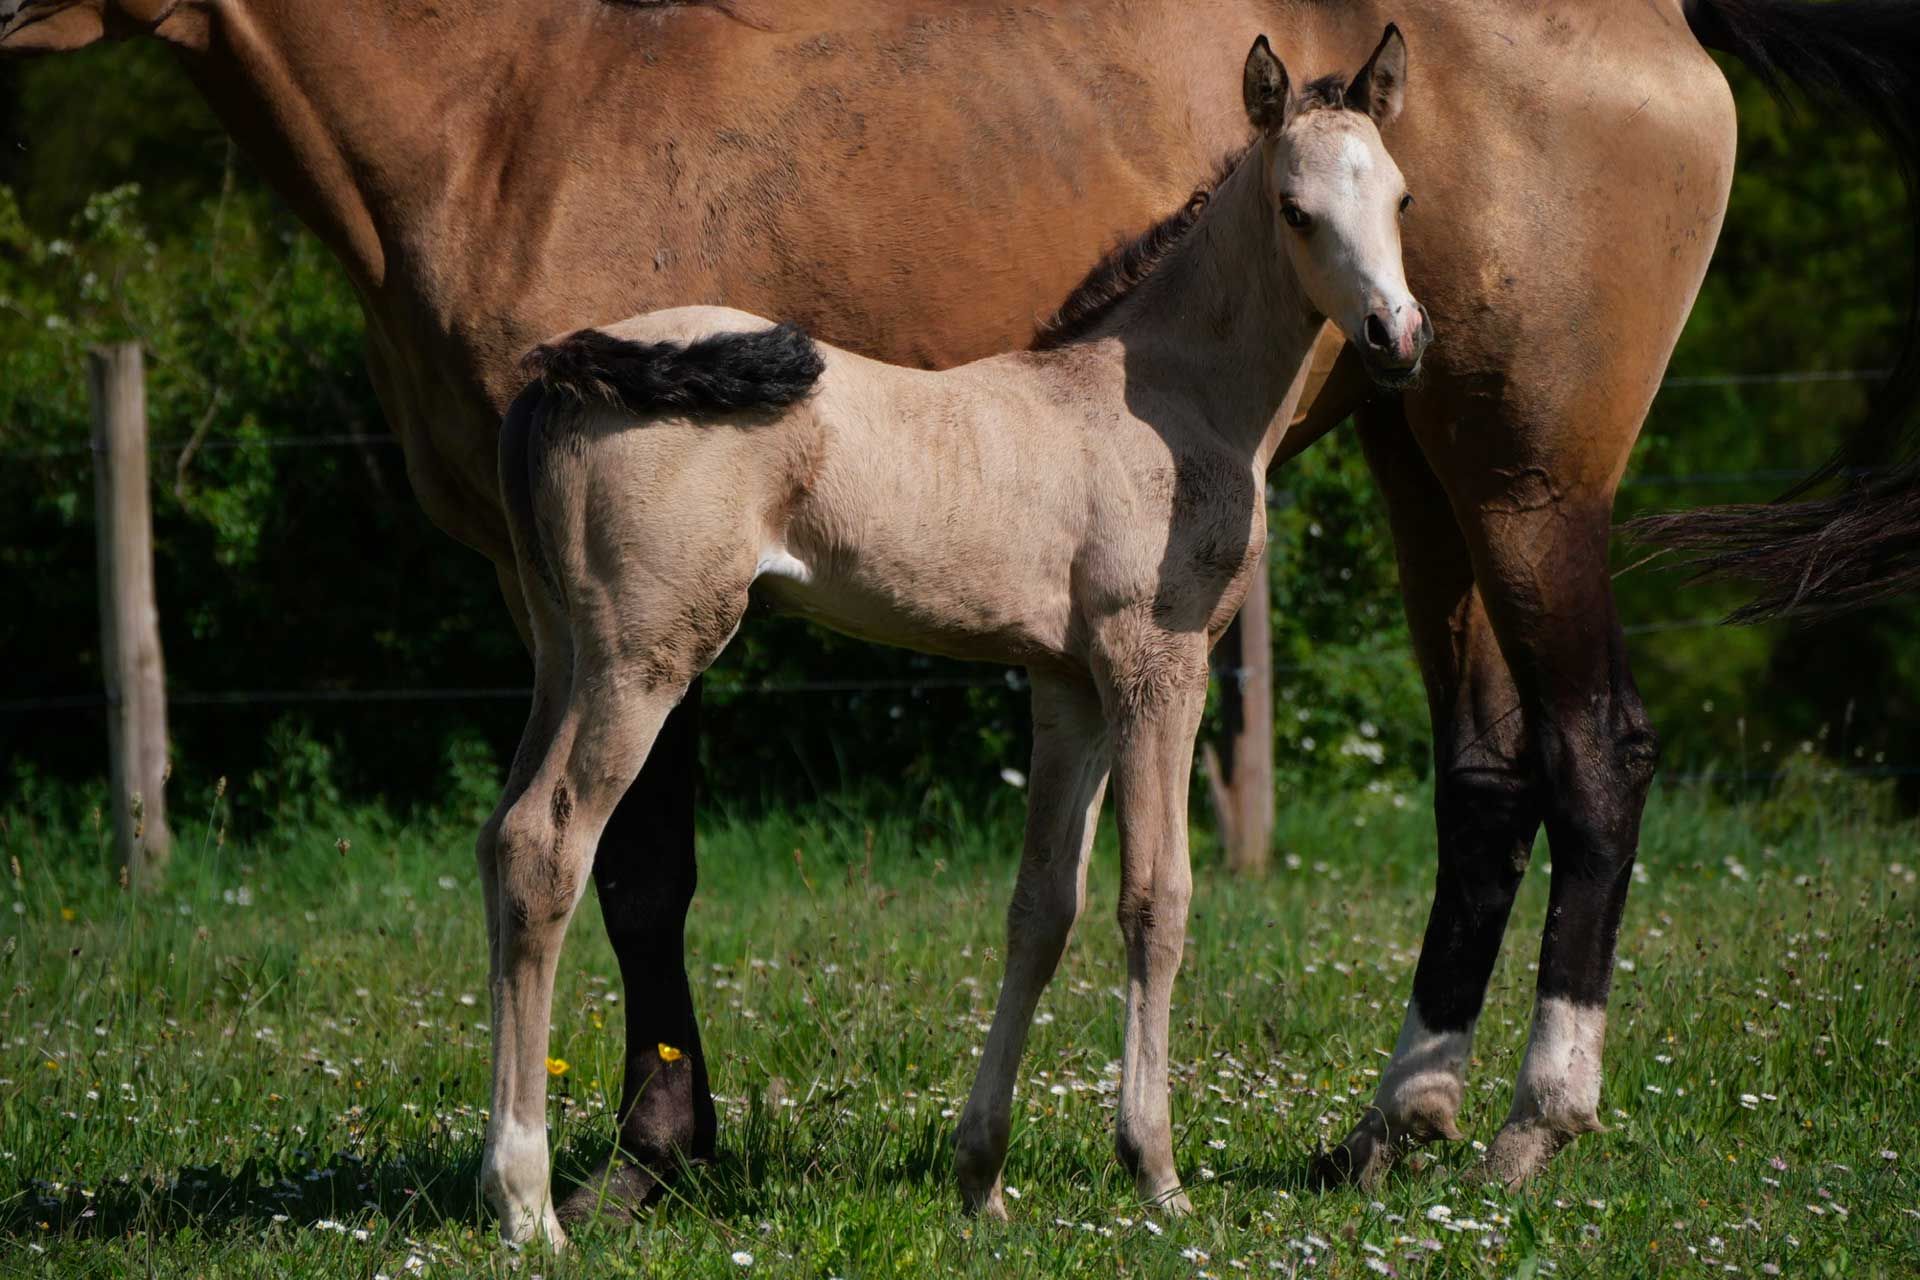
{"points": [[918, 180]]}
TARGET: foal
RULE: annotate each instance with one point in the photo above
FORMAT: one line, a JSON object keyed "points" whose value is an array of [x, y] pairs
{"points": [[1090, 510]]}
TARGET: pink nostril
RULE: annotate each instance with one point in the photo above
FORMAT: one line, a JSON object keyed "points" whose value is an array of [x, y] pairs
{"points": [[1377, 335]]}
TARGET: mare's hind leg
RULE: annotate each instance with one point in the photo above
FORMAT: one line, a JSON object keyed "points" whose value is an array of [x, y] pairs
{"points": [[1486, 811], [1535, 507], [1067, 781]]}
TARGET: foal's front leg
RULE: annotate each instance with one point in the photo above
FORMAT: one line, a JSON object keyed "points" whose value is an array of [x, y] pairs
{"points": [[1154, 718], [1068, 779]]}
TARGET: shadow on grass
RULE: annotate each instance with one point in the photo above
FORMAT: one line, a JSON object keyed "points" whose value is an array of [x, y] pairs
{"points": [[412, 1188]]}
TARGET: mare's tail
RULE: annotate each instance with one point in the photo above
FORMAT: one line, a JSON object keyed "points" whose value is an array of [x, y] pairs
{"points": [[1861, 542]]}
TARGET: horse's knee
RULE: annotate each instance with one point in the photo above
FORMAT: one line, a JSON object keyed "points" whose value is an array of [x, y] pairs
{"points": [[1155, 915], [535, 857], [1042, 912], [1599, 771], [1486, 819]]}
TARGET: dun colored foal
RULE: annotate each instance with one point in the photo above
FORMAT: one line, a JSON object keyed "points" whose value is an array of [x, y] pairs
{"points": [[1090, 510]]}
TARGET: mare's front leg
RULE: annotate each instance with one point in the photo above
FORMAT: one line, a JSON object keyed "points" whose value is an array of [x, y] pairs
{"points": [[1155, 696], [1065, 786], [1487, 808]]}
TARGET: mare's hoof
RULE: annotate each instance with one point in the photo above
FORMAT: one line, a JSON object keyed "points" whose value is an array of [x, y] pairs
{"points": [[615, 1192], [1522, 1149]]}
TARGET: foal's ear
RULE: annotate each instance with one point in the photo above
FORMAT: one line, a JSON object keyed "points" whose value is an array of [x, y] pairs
{"points": [[1263, 87], [1380, 89]]}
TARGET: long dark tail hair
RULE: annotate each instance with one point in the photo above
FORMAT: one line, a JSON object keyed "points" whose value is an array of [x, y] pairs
{"points": [[1860, 542]]}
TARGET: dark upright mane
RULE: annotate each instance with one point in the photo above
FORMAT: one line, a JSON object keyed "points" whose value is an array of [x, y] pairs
{"points": [[1120, 272], [1125, 266]]}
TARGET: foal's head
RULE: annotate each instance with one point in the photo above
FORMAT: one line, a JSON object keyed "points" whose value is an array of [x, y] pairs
{"points": [[1339, 198]]}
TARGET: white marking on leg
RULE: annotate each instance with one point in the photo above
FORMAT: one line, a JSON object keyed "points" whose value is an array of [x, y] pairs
{"points": [[514, 1176], [1559, 1081], [1421, 1090]]}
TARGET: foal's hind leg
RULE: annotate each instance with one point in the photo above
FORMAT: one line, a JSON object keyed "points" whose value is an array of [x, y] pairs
{"points": [[544, 848], [620, 696], [1068, 778], [513, 1176]]}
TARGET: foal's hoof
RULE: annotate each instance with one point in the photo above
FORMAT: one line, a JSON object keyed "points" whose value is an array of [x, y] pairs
{"points": [[534, 1229], [615, 1192], [1173, 1202]]}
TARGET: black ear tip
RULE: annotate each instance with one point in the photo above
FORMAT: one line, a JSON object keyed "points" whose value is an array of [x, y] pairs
{"points": [[1260, 43]]}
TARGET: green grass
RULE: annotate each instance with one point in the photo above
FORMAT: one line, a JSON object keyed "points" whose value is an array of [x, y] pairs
{"points": [[276, 1064]]}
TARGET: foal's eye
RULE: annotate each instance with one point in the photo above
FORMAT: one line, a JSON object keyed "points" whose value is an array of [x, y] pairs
{"points": [[1295, 216], [1406, 203]]}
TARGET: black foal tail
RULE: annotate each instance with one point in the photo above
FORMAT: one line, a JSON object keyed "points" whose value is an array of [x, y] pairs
{"points": [[1861, 543], [763, 370]]}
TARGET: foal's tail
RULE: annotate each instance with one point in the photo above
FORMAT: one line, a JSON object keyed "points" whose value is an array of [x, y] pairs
{"points": [[749, 372], [752, 372], [1861, 543]]}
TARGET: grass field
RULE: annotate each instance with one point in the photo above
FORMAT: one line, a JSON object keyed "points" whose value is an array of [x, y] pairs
{"points": [[277, 1064]]}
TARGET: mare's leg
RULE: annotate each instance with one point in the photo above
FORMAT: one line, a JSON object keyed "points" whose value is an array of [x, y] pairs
{"points": [[1065, 786], [1596, 751], [1486, 810], [644, 874], [1534, 500], [1154, 709]]}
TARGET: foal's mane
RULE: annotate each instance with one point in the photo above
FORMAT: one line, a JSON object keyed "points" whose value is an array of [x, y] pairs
{"points": [[1129, 263]]}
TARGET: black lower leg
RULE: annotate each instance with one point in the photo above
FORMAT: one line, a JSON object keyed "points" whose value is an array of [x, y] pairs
{"points": [[645, 876], [1487, 820], [1600, 769]]}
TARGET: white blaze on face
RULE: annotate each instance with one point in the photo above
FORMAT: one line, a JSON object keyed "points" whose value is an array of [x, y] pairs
{"points": [[1560, 1078], [1356, 162], [1333, 165]]}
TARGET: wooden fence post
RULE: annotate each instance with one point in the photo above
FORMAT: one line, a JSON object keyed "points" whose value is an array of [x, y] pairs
{"points": [[129, 618], [1240, 769]]}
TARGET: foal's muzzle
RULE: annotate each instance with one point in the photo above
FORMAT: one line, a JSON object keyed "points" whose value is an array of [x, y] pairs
{"points": [[1393, 342]]}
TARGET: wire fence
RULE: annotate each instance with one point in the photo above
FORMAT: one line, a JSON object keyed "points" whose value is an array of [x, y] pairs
{"points": [[1011, 681]]}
